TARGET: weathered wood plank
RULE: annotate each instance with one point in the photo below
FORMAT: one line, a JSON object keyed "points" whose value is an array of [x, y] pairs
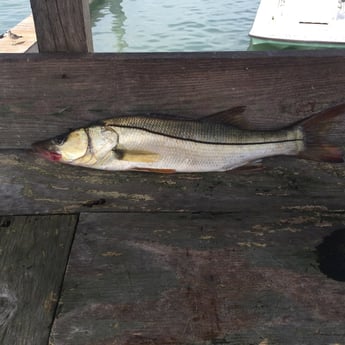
{"points": [[33, 257], [30, 184], [202, 279], [42, 96], [62, 25]]}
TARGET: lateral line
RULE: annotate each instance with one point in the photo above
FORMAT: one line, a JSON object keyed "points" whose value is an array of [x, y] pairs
{"points": [[210, 142]]}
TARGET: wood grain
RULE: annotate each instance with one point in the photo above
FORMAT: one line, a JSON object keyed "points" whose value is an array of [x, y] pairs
{"points": [[43, 96], [62, 25], [30, 184], [201, 279], [33, 252]]}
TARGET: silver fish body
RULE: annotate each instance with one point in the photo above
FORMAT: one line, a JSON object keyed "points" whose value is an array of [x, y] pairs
{"points": [[190, 146], [178, 145]]}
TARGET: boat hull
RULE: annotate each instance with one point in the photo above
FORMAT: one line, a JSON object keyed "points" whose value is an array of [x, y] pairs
{"points": [[260, 43], [298, 24]]}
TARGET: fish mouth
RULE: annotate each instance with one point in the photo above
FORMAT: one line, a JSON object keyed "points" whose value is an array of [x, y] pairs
{"points": [[43, 148]]}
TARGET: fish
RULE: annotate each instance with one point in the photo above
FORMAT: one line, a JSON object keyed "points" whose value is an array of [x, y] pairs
{"points": [[169, 144]]}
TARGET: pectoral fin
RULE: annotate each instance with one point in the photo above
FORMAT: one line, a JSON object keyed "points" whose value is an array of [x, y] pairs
{"points": [[139, 156]]}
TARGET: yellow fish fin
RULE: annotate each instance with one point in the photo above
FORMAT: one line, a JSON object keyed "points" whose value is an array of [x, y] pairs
{"points": [[136, 155]]}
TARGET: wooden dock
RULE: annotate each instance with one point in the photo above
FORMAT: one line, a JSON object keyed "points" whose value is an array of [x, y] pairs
{"points": [[26, 41], [91, 257]]}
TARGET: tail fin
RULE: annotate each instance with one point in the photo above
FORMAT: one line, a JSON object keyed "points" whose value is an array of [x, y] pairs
{"points": [[315, 129]]}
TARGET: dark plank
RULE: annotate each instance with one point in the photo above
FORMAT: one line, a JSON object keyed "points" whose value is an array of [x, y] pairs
{"points": [[30, 184], [42, 96], [244, 278], [33, 257], [62, 25]]}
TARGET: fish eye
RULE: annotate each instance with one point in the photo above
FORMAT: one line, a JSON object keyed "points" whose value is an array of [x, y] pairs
{"points": [[60, 139]]}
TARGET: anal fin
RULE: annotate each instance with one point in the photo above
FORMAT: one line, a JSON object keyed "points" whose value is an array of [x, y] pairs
{"points": [[249, 167]]}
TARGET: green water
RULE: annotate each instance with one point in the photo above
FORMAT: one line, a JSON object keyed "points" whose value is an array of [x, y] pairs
{"points": [[12, 12], [158, 25], [167, 26]]}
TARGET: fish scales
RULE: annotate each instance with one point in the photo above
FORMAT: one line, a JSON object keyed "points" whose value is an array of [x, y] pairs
{"points": [[199, 131], [195, 146]]}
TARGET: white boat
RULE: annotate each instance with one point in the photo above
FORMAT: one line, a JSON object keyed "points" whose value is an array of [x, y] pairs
{"points": [[299, 23]]}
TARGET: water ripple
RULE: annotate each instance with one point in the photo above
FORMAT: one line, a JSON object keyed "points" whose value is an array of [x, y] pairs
{"points": [[179, 25]]}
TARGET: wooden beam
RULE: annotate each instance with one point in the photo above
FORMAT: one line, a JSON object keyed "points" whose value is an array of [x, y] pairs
{"points": [[30, 184], [33, 252], [62, 25], [69, 91]]}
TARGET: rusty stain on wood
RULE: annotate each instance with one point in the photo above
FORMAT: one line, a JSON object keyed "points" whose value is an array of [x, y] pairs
{"points": [[179, 289]]}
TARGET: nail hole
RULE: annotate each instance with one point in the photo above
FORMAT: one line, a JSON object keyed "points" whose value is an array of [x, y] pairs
{"points": [[331, 255], [92, 203]]}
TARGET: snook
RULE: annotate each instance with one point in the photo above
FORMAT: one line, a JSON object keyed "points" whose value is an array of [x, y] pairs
{"points": [[166, 144]]}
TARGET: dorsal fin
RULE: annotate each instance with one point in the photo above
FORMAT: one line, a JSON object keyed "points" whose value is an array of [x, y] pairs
{"points": [[231, 117]]}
